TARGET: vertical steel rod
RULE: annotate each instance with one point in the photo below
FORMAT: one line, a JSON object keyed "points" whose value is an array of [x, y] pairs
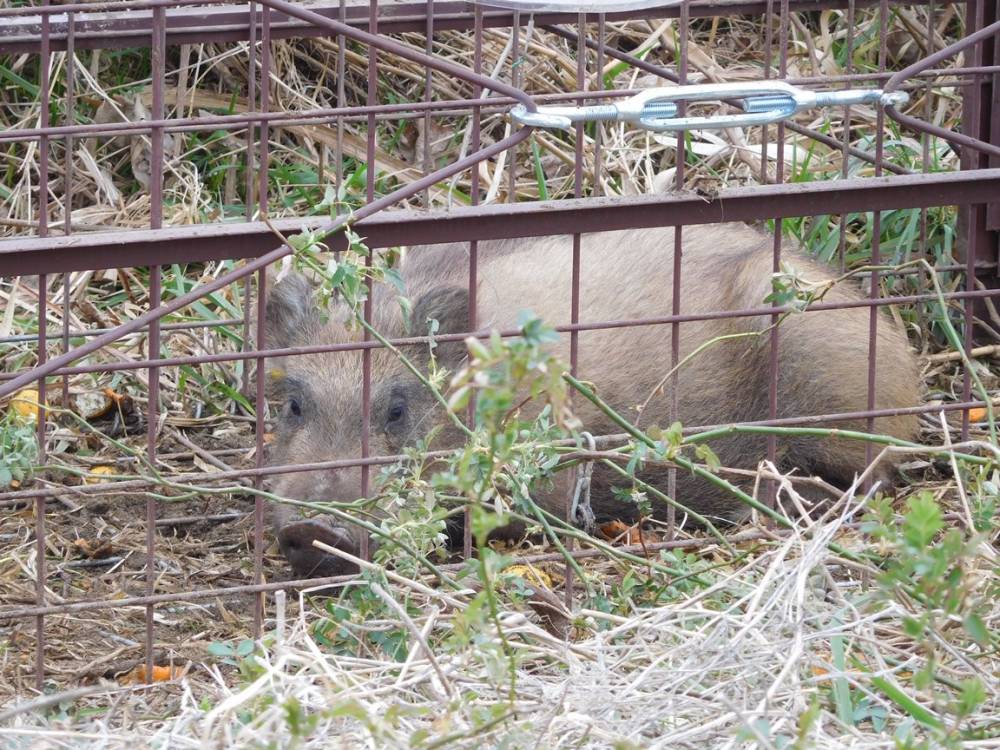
{"points": [[260, 410], [158, 64], [341, 99], [779, 177], [768, 63], [260, 404], [428, 88], [683, 23], [875, 291], [366, 355], [574, 312], [845, 162], [477, 92], [599, 85], [264, 92], [515, 80], [249, 202], [974, 123], [43, 290], [68, 188], [251, 107], [925, 152]]}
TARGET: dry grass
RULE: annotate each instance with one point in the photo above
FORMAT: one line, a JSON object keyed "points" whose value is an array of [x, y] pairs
{"points": [[737, 664]]}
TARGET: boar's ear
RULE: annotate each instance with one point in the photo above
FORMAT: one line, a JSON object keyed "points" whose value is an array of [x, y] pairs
{"points": [[449, 306], [290, 312]]}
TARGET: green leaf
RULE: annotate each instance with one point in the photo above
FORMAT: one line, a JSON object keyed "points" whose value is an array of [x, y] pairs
{"points": [[12, 77], [393, 276], [922, 520], [231, 393], [894, 693], [973, 623], [972, 696], [913, 627], [543, 192], [218, 648], [841, 688], [350, 709], [708, 457], [393, 643]]}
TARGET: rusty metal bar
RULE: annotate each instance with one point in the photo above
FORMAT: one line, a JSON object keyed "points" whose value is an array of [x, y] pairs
{"points": [[158, 65], [403, 110], [192, 325], [264, 92], [223, 322], [515, 80], [599, 84], [366, 354], [428, 91], [846, 135], [68, 180], [774, 343], [313, 583], [43, 291], [577, 240], [248, 188], [237, 476], [477, 92], [260, 409], [306, 116], [226, 24], [977, 123], [658, 320], [260, 403], [341, 99], [875, 290], [925, 161], [541, 218], [680, 160]]}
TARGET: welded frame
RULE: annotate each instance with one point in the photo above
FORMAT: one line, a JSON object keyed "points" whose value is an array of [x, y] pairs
{"points": [[162, 23]]}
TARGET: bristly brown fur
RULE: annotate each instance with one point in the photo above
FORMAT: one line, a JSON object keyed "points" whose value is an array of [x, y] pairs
{"points": [[822, 356]]}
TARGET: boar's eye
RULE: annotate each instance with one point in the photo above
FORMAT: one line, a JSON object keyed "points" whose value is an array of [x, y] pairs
{"points": [[393, 410], [397, 410], [296, 401]]}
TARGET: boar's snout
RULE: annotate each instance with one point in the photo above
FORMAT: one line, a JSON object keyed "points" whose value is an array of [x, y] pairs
{"points": [[308, 561]]}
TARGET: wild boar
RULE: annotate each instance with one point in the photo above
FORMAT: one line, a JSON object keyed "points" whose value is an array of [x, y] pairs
{"points": [[625, 275]]}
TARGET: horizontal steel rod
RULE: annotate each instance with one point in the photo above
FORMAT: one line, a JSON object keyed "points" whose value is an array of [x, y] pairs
{"points": [[409, 110], [239, 477], [229, 591], [26, 338], [209, 242], [20, 28], [178, 326], [287, 118], [201, 359]]}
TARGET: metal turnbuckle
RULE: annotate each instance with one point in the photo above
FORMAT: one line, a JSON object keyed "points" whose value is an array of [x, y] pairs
{"points": [[657, 109]]}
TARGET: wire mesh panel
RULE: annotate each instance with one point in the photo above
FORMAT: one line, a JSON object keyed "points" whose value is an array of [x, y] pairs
{"points": [[158, 206]]}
